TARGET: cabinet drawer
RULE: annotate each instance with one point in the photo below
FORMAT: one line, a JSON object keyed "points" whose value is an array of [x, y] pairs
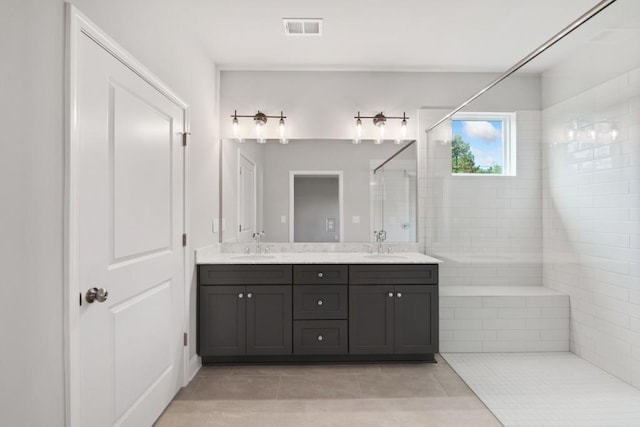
{"points": [[320, 302], [320, 337], [392, 274], [242, 274], [318, 274]]}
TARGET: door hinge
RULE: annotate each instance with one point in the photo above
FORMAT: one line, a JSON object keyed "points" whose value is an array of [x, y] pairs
{"points": [[184, 239], [240, 228], [80, 299], [185, 339], [184, 138]]}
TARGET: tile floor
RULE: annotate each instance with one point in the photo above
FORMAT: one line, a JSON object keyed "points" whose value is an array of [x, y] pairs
{"points": [[548, 389], [421, 394]]}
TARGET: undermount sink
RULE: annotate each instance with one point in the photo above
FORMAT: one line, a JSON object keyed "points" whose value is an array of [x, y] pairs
{"points": [[385, 256], [253, 257]]}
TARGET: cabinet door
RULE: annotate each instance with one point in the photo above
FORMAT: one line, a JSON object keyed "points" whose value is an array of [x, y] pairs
{"points": [[269, 320], [371, 319], [416, 319], [222, 321]]}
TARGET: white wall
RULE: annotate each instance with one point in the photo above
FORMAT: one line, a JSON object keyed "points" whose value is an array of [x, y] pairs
{"points": [[32, 176], [591, 189], [322, 104]]}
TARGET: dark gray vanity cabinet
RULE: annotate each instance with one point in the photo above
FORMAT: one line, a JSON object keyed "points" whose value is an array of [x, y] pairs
{"points": [[388, 316], [317, 313], [253, 319]]}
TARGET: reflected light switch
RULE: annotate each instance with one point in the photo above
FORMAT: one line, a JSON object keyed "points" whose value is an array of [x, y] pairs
{"points": [[331, 225], [355, 219], [283, 219]]}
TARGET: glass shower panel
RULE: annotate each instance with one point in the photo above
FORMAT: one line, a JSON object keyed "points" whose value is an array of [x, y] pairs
{"points": [[486, 223], [395, 197]]}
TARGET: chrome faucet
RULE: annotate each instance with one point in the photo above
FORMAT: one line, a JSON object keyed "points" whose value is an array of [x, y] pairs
{"points": [[380, 237], [258, 237]]}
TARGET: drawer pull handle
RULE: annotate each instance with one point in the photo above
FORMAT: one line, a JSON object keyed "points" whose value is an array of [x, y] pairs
{"points": [[320, 338], [320, 302], [390, 294], [240, 295], [399, 295], [321, 274], [249, 295]]}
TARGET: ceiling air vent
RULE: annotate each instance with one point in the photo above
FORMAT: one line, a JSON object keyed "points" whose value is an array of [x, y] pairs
{"points": [[302, 27]]}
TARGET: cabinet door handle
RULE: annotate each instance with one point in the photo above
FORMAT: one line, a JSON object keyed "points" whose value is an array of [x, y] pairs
{"points": [[399, 295], [320, 302], [320, 338], [390, 294], [240, 295], [321, 274], [249, 295]]}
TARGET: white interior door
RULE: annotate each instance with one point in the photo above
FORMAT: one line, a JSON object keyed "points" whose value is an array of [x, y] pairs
{"points": [[246, 198], [130, 226]]}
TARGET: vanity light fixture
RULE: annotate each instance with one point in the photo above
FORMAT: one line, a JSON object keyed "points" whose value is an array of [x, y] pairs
{"points": [[260, 120], [380, 121]]}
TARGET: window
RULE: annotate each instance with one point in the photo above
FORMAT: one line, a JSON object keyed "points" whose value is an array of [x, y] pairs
{"points": [[483, 144]]}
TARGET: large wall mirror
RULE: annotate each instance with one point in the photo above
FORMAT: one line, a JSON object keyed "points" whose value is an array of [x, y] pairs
{"points": [[317, 191]]}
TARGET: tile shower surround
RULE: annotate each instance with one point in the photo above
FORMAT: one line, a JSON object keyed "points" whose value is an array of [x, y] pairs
{"points": [[591, 201]]}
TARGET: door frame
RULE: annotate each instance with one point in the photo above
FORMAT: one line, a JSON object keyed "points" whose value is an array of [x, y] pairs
{"points": [[77, 26], [335, 173], [255, 193]]}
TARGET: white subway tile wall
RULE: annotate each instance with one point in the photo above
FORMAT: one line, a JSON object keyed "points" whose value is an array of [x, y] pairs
{"points": [[527, 319], [591, 210]]}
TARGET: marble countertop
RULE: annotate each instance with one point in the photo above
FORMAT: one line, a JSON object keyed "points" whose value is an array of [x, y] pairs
{"points": [[316, 258]]}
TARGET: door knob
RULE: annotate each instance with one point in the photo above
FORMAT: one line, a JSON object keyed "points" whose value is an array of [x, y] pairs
{"points": [[399, 295], [390, 294], [96, 294], [321, 274]]}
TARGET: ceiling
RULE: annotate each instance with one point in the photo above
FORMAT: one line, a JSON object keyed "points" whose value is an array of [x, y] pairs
{"points": [[403, 35]]}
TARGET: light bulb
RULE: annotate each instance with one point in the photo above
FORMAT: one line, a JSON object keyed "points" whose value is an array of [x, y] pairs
{"points": [[259, 136], [403, 129], [592, 133], [235, 127], [358, 130], [614, 134], [380, 139], [283, 139]]}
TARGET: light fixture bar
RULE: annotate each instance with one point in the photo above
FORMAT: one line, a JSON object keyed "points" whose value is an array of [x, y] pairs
{"points": [[403, 117], [380, 120], [259, 119]]}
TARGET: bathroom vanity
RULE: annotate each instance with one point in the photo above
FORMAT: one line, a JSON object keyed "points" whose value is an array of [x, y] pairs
{"points": [[315, 307]]}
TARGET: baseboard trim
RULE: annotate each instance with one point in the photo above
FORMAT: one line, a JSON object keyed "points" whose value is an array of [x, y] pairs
{"points": [[194, 366]]}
